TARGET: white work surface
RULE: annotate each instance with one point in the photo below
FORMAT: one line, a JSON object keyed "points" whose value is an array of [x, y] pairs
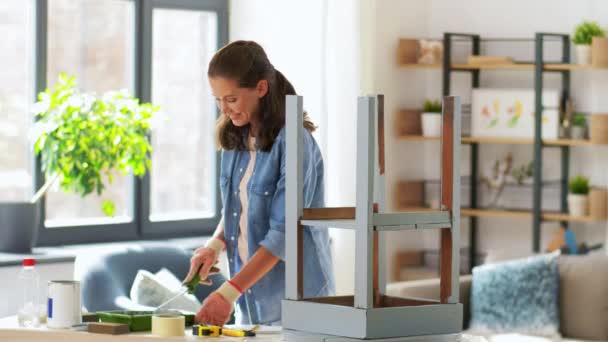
{"points": [[10, 331]]}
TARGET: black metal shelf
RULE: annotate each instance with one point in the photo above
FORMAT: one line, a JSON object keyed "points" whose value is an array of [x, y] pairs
{"points": [[540, 66]]}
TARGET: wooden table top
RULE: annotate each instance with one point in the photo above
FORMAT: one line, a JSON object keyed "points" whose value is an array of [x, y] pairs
{"points": [[10, 331]]}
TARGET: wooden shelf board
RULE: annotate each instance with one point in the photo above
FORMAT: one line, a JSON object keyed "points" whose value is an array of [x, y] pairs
{"points": [[523, 214], [504, 66], [494, 66], [572, 67], [491, 140], [569, 142], [511, 141], [516, 214], [420, 66], [496, 213], [567, 217]]}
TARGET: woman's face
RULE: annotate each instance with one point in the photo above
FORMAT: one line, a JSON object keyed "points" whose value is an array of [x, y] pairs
{"points": [[239, 104]]}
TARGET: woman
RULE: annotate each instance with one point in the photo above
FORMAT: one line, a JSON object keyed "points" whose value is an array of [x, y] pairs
{"points": [[250, 93]]}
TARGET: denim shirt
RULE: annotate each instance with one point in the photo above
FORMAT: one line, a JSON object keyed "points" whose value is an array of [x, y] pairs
{"points": [[261, 304]]}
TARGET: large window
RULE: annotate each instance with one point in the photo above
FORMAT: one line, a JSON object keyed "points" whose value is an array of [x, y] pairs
{"points": [[93, 40], [181, 192], [183, 184], [157, 49], [16, 94]]}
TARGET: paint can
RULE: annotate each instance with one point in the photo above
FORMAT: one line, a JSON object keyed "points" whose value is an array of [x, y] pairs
{"points": [[63, 304]]}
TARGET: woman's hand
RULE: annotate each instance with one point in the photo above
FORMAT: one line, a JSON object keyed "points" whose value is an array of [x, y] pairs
{"points": [[215, 310], [205, 258], [219, 304]]}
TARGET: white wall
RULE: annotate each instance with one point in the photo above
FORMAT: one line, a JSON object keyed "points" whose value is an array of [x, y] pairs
{"points": [[407, 88], [316, 46]]}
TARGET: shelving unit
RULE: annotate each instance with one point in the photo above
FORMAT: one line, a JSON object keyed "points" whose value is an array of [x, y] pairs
{"points": [[539, 66]]}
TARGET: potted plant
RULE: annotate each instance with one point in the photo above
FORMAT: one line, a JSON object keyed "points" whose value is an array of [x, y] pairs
{"points": [[431, 118], [82, 139], [582, 38], [579, 126], [578, 196]]}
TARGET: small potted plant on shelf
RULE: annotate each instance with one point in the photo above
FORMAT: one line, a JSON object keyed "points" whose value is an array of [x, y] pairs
{"points": [[431, 118], [578, 196], [579, 126], [582, 38], [82, 139]]}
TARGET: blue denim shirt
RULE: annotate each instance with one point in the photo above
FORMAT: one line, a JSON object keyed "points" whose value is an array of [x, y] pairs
{"points": [[261, 304]]}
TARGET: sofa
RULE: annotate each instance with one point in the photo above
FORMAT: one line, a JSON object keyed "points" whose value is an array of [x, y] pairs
{"points": [[106, 276], [583, 298]]}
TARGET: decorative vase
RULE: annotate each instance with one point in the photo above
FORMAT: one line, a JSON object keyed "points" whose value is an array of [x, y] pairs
{"points": [[578, 132], [431, 124], [19, 222], [583, 54], [578, 204]]}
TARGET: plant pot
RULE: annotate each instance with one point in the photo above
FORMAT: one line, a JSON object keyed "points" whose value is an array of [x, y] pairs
{"points": [[598, 203], [19, 223], [431, 124], [578, 204], [599, 128], [583, 54], [578, 132], [599, 52]]}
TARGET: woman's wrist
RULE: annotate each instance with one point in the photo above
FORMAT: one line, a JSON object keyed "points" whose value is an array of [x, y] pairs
{"points": [[230, 291], [216, 244]]}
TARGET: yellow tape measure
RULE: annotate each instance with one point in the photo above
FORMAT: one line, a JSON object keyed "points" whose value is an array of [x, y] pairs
{"points": [[214, 331]]}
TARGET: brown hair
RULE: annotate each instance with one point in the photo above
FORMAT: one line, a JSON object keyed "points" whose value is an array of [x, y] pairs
{"points": [[246, 63]]}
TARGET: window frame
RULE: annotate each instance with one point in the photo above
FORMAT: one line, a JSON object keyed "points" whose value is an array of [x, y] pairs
{"points": [[168, 228], [140, 227]]}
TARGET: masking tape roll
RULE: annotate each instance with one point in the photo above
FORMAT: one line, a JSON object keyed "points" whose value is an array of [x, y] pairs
{"points": [[168, 325]]}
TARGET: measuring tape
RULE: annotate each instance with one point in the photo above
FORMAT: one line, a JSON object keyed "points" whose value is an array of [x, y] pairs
{"points": [[215, 331]]}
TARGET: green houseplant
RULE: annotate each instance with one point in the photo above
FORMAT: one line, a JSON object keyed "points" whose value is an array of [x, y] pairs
{"points": [[431, 118], [582, 37], [82, 139], [579, 126], [578, 195]]}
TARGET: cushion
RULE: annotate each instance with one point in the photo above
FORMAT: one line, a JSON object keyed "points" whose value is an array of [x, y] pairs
{"points": [[154, 289], [584, 296], [518, 296]]}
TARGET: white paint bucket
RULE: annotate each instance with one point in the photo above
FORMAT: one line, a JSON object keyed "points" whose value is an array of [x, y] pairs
{"points": [[63, 305]]}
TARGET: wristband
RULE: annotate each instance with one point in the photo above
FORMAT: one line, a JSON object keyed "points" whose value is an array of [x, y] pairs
{"points": [[216, 244], [229, 291]]}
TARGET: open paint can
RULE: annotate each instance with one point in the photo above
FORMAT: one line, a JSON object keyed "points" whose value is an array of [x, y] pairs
{"points": [[63, 305]]}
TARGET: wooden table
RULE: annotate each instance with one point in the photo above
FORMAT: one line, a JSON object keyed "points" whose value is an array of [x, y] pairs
{"points": [[11, 332]]}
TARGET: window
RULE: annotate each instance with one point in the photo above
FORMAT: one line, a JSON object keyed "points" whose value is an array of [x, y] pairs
{"points": [[159, 50], [183, 184], [16, 94], [182, 192], [93, 40]]}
